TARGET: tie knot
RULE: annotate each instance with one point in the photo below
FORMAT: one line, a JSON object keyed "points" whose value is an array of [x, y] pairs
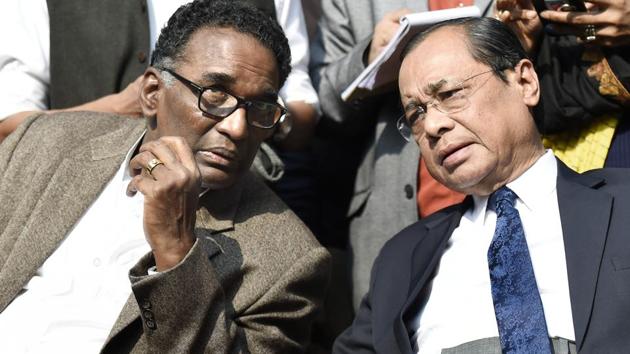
{"points": [[502, 198]]}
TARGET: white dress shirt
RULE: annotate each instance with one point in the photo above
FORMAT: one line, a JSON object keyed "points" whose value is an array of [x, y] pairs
{"points": [[25, 51], [74, 299], [459, 307]]}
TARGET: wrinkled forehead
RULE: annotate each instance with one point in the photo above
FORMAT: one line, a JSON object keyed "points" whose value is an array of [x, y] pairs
{"points": [[441, 59]]}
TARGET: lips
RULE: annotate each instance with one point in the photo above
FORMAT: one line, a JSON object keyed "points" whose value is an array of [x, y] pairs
{"points": [[220, 156], [449, 152]]}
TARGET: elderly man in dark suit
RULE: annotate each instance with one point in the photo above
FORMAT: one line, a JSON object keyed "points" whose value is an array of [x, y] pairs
{"points": [[384, 197], [536, 259], [153, 237]]}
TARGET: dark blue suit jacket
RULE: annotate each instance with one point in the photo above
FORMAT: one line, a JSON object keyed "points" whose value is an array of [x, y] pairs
{"points": [[595, 216]]}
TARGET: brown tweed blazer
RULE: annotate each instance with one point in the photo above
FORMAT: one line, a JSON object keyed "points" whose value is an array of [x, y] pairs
{"points": [[252, 282]]}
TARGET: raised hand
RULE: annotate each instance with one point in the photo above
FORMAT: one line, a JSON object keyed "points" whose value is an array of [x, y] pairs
{"points": [[166, 173], [610, 18], [126, 102], [384, 31], [521, 16]]}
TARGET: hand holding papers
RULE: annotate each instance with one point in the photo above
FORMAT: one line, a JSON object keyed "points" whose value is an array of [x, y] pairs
{"points": [[384, 69]]}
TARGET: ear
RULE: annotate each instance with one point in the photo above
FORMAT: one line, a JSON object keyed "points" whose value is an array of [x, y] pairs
{"points": [[527, 80], [150, 92]]}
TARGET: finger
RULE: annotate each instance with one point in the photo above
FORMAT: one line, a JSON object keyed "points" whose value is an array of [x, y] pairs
{"points": [[139, 165], [505, 5], [590, 7], [530, 14], [521, 15], [161, 150], [131, 188], [576, 17], [140, 184], [599, 2], [137, 81], [503, 16], [611, 31], [395, 15], [180, 148], [513, 5], [388, 34], [608, 36], [133, 87]]}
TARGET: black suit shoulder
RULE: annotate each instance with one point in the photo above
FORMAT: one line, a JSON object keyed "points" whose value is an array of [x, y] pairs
{"points": [[404, 264], [613, 177], [414, 233], [410, 248]]}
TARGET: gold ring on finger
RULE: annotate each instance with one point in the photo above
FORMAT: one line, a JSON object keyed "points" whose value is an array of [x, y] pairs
{"points": [[153, 163]]}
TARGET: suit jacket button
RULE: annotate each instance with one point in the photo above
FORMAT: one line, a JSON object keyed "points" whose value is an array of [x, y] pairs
{"points": [[147, 314], [150, 324], [408, 191], [146, 305], [142, 57]]}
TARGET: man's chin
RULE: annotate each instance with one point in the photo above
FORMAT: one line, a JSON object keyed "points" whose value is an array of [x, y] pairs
{"points": [[215, 179], [467, 183]]}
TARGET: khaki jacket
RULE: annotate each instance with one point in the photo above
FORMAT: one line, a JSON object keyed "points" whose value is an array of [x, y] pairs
{"points": [[251, 283]]}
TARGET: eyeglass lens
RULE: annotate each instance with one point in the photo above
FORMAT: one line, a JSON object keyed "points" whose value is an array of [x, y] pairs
{"points": [[403, 127], [457, 101], [221, 104]]}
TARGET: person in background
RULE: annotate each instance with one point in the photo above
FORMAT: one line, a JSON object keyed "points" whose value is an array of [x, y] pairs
{"points": [[150, 235], [52, 47], [583, 59], [535, 260], [361, 136]]}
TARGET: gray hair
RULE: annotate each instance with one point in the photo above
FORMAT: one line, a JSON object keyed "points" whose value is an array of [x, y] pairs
{"points": [[489, 41]]}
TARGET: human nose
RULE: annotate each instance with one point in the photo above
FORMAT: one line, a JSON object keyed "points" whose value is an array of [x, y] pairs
{"points": [[234, 125], [436, 123]]}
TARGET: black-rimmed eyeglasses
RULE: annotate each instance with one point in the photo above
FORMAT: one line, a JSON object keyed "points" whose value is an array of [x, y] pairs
{"points": [[220, 103], [450, 100]]}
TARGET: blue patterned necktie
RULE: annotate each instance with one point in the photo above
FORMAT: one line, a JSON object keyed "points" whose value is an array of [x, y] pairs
{"points": [[517, 304]]}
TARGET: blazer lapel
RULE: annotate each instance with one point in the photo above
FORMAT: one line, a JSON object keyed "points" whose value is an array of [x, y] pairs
{"points": [[425, 258], [585, 215], [129, 313], [217, 208], [75, 184]]}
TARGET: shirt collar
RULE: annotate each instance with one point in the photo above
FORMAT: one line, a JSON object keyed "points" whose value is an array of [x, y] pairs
{"points": [[532, 187], [127, 175]]}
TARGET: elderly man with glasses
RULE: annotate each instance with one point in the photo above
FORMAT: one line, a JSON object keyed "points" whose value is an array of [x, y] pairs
{"points": [[536, 258], [131, 236]]}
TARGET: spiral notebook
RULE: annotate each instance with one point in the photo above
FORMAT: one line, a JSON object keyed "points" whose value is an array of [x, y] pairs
{"points": [[384, 69]]}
